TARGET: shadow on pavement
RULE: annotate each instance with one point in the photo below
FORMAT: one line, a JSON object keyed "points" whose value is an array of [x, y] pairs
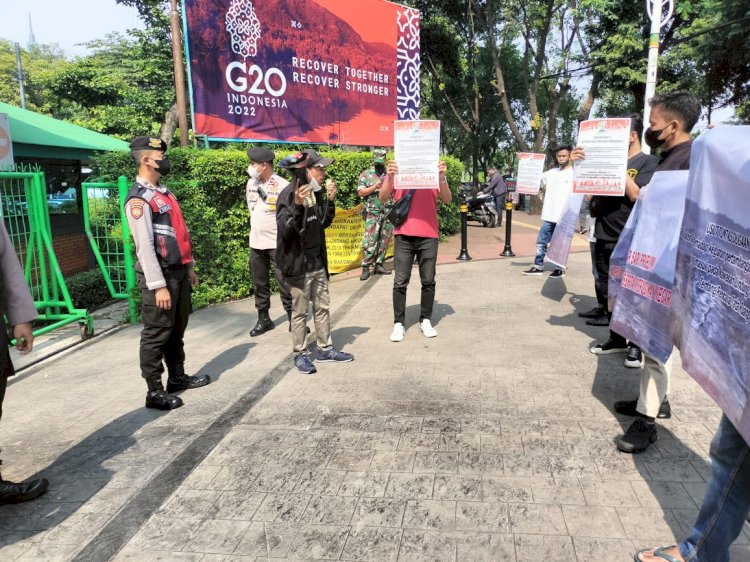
{"points": [[226, 361], [439, 311]]}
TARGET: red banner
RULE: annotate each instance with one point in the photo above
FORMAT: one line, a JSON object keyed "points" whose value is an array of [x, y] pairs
{"points": [[313, 71]]}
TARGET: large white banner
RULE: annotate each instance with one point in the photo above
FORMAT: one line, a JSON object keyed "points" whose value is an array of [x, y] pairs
{"points": [[562, 238], [712, 286]]}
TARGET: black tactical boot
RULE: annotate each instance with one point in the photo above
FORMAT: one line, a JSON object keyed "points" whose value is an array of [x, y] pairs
{"points": [[381, 270], [10, 492], [186, 382], [160, 400], [365, 273], [263, 325]]}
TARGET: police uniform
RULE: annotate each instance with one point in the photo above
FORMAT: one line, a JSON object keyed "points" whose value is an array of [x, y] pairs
{"points": [[261, 202], [165, 258], [378, 230]]}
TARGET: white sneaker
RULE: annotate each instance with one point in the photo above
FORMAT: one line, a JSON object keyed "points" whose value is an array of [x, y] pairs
{"points": [[426, 327], [398, 332]]}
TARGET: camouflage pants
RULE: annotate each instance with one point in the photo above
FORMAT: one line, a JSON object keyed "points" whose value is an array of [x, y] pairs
{"points": [[378, 234]]}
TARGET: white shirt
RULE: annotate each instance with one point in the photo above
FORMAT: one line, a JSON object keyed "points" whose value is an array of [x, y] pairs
{"points": [[263, 213], [558, 185]]}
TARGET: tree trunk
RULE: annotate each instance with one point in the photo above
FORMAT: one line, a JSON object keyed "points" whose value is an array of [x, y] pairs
{"points": [[584, 112], [170, 124]]}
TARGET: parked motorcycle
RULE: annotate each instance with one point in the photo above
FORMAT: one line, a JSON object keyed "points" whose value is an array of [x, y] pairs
{"points": [[481, 208]]}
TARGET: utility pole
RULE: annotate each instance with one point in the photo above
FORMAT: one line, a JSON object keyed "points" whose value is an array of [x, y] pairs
{"points": [[179, 74], [655, 10], [19, 68]]}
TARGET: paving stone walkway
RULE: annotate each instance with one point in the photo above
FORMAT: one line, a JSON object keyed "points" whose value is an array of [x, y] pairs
{"points": [[493, 441]]}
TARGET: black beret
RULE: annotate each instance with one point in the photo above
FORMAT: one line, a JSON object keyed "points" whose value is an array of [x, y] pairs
{"points": [[148, 143], [260, 154]]}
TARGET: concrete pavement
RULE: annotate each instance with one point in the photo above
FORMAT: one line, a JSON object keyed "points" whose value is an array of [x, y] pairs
{"points": [[493, 441]]}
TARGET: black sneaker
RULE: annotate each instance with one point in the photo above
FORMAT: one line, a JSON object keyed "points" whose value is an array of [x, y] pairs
{"points": [[628, 408], [634, 358], [610, 346], [638, 437], [557, 274], [160, 400], [595, 312], [304, 365], [332, 354], [534, 270], [598, 321]]}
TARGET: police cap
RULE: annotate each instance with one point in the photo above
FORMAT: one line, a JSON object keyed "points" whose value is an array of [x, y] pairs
{"points": [[260, 154], [148, 143], [378, 156]]}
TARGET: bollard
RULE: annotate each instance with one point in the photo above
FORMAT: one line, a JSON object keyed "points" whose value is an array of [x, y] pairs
{"points": [[507, 252], [464, 255]]}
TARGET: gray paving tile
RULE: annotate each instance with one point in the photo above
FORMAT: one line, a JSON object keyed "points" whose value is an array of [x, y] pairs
{"points": [[409, 486], [460, 442], [329, 510], [502, 444], [609, 493], [484, 546], [189, 503], [592, 521], [664, 495], [320, 482], [521, 465], [648, 524], [535, 518], [379, 441], [482, 516], [430, 514], [164, 533], [457, 487], [445, 462], [240, 505], [379, 512], [253, 543], [427, 546], [128, 555], [544, 547], [350, 459], [365, 484], [441, 425], [558, 490], [319, 542], [393, 461], [285, 508], [419, 442], [603, 549], [219, 536], [506, 489], [481, 463], [372, 543]]}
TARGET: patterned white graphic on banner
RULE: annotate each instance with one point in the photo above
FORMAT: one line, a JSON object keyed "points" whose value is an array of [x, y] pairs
{"points": [[244, 28], [407, 55]]}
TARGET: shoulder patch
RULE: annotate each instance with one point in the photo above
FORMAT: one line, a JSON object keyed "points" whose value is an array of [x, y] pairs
{"points": [[136, 208]]}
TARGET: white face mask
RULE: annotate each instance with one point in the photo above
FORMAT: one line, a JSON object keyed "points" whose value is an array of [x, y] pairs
{"points": [[313, 182], [253, 172]]}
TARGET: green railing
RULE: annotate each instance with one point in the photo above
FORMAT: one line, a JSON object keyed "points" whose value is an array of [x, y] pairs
{"points": [[109, 235], [26, 214]]}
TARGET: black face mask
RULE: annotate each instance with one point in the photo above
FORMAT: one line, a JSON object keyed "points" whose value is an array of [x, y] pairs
{"points": [[163, 166], [380, 169], [652, 137]]}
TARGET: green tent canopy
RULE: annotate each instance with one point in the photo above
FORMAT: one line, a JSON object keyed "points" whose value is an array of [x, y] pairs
{"points": [[38, 136]]}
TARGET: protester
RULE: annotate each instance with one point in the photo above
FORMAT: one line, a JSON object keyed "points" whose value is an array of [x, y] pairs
{"points": [[166, 275], [262, 192], [416, 238], [557, 185], [378, 230], [497, 189], [18, 307], [303, 212], [672, 117], [610, 215], [725, 506]]}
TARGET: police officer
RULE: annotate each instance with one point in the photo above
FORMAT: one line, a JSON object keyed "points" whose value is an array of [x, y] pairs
{"points": [[15, 303], [263, 189], [165, 274], [378, 230]]}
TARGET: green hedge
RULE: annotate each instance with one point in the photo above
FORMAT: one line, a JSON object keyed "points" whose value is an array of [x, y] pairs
{"points": [[210, 185], [88, 289]]}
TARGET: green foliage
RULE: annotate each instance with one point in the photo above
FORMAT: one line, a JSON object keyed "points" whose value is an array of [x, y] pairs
{"points": [[88, 289], [210, 185]]}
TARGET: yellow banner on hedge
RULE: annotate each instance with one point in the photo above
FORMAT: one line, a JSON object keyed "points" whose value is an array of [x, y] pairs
{"points": [[344, 240]]}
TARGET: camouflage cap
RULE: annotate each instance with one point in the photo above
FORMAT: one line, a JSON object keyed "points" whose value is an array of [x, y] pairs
{"points": [[378, 156]]}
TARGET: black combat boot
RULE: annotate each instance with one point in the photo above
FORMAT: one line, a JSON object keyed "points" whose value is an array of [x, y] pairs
{"points": [[10, 492], [381, 270], [178, 380], [158, 399], [263, 325], [365, 273]]}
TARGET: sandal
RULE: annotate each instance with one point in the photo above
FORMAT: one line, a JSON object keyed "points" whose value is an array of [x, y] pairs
{"points": [[658, 553]]}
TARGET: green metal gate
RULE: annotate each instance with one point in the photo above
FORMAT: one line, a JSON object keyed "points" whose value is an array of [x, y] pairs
{"points": [[26, 214], [109, 235]]}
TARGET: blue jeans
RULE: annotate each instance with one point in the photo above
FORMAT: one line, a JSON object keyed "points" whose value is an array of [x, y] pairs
{"points": [[727, 500], [545, 235]]}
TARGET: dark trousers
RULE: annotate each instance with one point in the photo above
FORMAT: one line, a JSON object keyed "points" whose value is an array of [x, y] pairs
{"points": [[602, 254], [500, 206], [163, 330], [425, 249], [261, 262]]}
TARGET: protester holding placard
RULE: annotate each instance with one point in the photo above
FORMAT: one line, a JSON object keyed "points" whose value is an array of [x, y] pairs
{"points": [[557, 184], [417, 236], [673, 116]]}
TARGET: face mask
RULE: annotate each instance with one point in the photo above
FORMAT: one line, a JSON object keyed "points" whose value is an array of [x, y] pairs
{"points": [[652, 137], [314, 183], [380, 169], [253, 172], [163, 166]]}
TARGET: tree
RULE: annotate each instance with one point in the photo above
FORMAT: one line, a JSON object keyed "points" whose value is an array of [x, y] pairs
{"points": [[37, 62]]}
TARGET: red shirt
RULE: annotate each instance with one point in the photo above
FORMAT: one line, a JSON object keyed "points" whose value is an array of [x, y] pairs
{"points": [[422, 220]]}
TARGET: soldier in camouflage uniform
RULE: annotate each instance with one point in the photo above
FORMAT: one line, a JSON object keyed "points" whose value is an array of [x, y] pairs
{"points": [[378, 230]]}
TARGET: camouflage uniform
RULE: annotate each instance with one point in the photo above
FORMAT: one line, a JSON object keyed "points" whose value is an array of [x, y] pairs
{"points": [[378, 230]]}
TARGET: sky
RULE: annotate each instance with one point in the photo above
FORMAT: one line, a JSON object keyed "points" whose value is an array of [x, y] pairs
{"points": [[65, 22]]}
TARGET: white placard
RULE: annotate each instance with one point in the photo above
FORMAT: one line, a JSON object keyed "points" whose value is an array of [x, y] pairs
{"points": [[605, 169], [530, 170], [6, 146], [417, 152]]}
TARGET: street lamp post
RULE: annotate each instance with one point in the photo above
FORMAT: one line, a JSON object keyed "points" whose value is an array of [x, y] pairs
{"points": [[656, 13]]}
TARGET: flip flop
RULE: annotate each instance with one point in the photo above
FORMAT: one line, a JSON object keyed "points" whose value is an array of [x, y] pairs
{"points": [[659, 553]]}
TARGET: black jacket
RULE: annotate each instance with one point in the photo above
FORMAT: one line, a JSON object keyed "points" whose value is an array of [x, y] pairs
{"points": [[301, 233]]}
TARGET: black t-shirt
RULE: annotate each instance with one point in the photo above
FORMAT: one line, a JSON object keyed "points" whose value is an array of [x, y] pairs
{"points": [[612, 213], [676, 158]]}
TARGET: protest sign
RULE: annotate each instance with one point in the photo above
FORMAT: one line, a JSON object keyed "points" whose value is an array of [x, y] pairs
{"points": [[310, 71], [562, 237], [605, 168], [530, 169], [344, 240], [712, 280], [643, 309], [620, 254], [417, 151]]}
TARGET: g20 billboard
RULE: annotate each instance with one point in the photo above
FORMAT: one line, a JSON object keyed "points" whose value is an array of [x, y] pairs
{"points": [[314, 71]]}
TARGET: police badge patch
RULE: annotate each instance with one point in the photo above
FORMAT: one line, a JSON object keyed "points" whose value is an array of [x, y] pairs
{"points": [[136, 209]]}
